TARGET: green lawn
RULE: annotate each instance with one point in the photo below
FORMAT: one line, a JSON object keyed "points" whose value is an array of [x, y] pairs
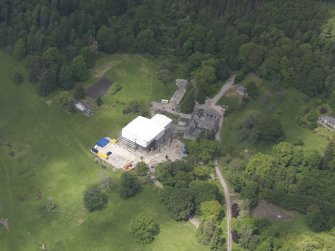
{"points": [[51, 158], [286, 108], [135, 74], [295, 234]]}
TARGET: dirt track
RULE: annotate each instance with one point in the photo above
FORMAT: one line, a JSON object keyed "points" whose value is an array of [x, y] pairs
{"points": [[229, 83], [213, 103], [228, 205]]}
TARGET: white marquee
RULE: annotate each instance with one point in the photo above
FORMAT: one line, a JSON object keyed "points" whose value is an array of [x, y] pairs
{"points": [[143, 131]]}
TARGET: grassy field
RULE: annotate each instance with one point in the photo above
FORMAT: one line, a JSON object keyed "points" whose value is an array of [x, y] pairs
{"points": [[135, 74], [44, 151], [286, 105], [295, 235]]}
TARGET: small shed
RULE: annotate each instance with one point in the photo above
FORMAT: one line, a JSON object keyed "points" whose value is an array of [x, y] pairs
{"points": [[242, 91], [328, 121]]}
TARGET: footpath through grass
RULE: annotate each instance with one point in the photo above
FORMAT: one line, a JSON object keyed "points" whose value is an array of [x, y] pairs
{"points": [[44, 151]]}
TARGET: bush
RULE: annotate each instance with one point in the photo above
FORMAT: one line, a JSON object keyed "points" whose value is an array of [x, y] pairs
{"points": [[269, 129], [217, 242], [142, 169], [210, 209], [323, 110], [71, 108], [129, 185], [106, 184], [201, 172], [144, 228], [115, 88], [165, 75], [203, 151], [200, 95], [63, 99], [79, 93], [315, 219], [309, 117], [252, 89], [94, 198], [187, 103], [179, 203], [98, 101], [164, 174], [239, 76], [203, 191], [18, 78], [209, 233]]}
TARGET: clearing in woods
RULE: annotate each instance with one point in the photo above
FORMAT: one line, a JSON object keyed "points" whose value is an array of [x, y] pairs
{"points": [[44, 152], [268, 211], [99, 88]]}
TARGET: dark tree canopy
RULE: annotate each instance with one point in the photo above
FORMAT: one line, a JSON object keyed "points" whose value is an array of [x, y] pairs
{"points": [[144, 228], [315, 219], [129, 185], [291, 178], [209, 233], [203, 191], [269, 129], [79, 93], [142, 169], [179, 203], [94, 198], [210, 39]]}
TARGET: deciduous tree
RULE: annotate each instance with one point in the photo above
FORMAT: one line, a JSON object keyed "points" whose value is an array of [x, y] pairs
{"points": [[94, 198], [144, 228], [129, 185]]}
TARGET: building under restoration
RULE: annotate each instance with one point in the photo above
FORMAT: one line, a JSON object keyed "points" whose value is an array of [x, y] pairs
{"points": [[204, 119], [147, 134]]}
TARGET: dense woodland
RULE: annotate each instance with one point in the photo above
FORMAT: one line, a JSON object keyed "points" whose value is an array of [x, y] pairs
{"points": [[291, 178], [289, 42], [208, 39]]}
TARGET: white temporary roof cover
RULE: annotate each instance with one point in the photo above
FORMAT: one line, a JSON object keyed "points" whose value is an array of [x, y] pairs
{"points": [[161, 120], [143, 131]]}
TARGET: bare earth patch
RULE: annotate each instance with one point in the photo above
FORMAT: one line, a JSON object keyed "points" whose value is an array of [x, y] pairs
{"points": [[266, 210], [99, 88]]}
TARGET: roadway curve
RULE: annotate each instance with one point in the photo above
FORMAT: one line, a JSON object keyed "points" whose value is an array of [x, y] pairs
{"points": [[213, 103], [228, 205], [224, 89]]}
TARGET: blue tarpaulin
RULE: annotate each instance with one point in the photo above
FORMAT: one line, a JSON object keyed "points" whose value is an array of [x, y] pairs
{"points": [[102, 142]]}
